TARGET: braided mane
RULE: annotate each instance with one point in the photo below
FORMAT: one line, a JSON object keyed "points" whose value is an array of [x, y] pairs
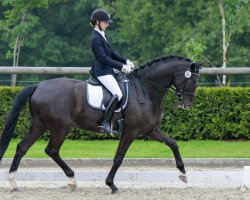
{"points": [[165, 58]]}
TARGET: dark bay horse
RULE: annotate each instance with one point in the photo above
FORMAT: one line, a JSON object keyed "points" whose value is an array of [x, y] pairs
{"points": [[57, 104]]}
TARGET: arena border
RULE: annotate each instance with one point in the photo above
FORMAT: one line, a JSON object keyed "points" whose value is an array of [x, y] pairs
{"points": [[129, 162]]}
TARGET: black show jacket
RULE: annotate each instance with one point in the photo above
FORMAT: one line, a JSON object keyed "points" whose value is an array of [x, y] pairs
{"points": [[105, 58]]}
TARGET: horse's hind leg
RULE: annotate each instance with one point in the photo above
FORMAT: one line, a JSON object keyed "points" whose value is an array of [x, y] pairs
{"points": [[56, 140], [158, 135], [28, 140]]}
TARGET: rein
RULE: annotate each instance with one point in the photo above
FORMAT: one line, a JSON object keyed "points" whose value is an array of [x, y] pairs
{"points": [[179, 92]]}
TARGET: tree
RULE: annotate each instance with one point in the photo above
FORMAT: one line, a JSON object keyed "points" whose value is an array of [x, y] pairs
{"points": [[61, 37], [18, 23], [166, 27], [186, 28], [229, 11]]}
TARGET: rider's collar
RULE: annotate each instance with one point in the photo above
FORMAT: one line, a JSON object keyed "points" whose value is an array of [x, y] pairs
{"points": [[102, 33]]}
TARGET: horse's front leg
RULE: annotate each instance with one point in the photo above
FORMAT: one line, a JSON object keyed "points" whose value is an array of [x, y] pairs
{"points": [[124, 145], [158, 135]]}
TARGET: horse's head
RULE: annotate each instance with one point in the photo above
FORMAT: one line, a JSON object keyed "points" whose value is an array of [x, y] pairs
{"points": [[185, 82]]}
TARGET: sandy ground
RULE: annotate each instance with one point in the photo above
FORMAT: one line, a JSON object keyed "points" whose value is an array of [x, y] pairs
{"points": [[125, 193], [31, 190]]}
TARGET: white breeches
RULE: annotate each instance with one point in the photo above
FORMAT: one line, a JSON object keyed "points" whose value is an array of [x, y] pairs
{"points": [[111, 84]]}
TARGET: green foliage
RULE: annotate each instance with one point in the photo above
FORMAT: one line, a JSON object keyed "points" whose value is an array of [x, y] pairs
{"points": [[161, 28], [187, 28], [233, 10], [62, 38], [218, 113], [18, 22], [142, 30], [194, 50], [7, 95]]}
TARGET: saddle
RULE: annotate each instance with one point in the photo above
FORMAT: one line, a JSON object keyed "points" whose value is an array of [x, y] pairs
{"points": [[98, 96]]}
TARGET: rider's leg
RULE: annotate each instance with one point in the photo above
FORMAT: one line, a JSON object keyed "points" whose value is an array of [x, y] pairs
{"points": [[106, 125], [111, 84]]}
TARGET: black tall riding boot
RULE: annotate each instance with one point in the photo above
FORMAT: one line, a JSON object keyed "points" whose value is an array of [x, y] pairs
{"points": [[106, 126]]}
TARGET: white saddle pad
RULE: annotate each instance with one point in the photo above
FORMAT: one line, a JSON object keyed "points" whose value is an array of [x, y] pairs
{"points": [[95, 97]]}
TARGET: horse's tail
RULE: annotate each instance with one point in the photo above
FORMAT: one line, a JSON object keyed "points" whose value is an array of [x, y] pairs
{"points": [[12, 117]]}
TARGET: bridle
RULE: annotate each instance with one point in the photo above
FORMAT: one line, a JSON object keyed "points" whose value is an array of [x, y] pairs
{"points": [[178, 89]]}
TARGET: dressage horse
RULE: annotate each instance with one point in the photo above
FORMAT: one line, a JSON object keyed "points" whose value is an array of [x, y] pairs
{"points": [[58, 104]]}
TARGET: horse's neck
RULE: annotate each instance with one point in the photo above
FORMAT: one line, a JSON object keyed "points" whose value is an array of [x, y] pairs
{"points": [[149, 81], [160, 74], [159, 77]]}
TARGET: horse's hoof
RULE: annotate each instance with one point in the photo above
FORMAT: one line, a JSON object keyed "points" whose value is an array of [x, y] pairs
{"points": [[115, 191], [72, 183], [183, 177], [72, 186], [12, 180]]}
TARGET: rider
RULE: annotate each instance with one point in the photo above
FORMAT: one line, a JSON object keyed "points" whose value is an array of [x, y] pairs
{"points": [[106, 60]]}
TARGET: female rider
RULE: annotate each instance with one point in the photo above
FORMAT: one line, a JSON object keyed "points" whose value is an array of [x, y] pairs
{"points": [[106, 60]]}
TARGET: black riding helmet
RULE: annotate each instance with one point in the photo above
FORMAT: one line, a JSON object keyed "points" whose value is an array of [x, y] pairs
{"points": [[100, 15]]}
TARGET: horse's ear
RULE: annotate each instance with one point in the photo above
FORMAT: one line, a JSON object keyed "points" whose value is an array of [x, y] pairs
{"points": [[192, 67], [199, 64]]}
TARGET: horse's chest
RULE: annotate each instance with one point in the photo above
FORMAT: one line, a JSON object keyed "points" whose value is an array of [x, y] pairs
{"points": [[147, 115]]}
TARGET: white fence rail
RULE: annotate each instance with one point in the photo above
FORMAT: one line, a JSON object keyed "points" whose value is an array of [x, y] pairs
{"points": [[44, 70], [85, 70]]}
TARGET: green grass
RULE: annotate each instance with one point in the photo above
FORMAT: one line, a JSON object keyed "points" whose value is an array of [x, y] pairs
{"points": [[140, 149]]}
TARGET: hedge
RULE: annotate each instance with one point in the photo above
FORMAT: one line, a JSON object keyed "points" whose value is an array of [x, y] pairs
{"points": [[218, 113]]}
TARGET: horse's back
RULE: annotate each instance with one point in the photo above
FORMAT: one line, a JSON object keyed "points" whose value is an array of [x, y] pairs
{"points": [[56, 88], [59, 82]]}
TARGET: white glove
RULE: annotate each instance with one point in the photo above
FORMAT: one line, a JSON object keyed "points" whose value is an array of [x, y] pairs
{"points": [[129, 62], [127, 69]]}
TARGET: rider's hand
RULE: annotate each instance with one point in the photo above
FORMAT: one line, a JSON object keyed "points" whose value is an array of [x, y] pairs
{"points": [[127, 69], [129, 62]]}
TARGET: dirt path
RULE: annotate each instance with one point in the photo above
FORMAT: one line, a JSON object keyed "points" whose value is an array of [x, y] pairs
{"points": [[130, 194]]}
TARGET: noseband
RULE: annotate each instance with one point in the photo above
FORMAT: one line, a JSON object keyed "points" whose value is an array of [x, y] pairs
{"points": [[178, 91]]}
